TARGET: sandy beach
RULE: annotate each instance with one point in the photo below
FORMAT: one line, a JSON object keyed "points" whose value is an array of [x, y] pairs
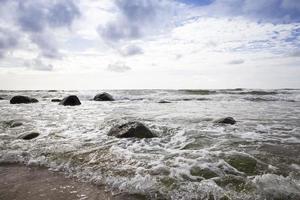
{"points": [[19, 182]]}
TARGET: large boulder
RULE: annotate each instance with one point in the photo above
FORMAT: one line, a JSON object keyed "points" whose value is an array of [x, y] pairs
{"points": [[103, 97], [131, 129], [22, 99], [226, 120], [71, 100]]}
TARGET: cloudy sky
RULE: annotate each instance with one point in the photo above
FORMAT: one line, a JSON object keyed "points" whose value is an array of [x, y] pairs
{"points": [[123, 44]]}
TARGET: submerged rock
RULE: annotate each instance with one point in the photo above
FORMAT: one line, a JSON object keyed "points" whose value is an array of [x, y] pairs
{"points": [[226, 120], [164, 101], [236, 183], [55, 100], [243, 163], [12, 124], [71, 100], [103, 97], [131, 129], [203, 172], [22, 99], [28, 136]]}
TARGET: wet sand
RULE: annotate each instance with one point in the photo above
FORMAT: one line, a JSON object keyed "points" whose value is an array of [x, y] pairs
{"points": [[33, 183]]}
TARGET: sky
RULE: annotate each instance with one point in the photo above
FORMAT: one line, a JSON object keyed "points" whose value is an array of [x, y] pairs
{"points": [[149, 44]]}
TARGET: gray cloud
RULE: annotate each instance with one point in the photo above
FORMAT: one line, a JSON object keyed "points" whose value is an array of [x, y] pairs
{"points": [[39, 65], [236, 62], [136, 19], [131, 50], [37, 19], [8, 41], [46, 45], [276, 11], [118, 67], [35, 16], [295, 54]]}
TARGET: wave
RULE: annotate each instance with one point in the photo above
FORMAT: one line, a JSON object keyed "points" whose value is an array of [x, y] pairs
{"points": [[199, 92]]}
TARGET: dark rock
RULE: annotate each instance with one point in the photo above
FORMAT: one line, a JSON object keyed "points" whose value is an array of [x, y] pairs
{"points": [[164, 101], [226, 120], [29, 135], [103, 97], [1, 98], [70, 101], [131, 129], [55, 100], [22, 99]]}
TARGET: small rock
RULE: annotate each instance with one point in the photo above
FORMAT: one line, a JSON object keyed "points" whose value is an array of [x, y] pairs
{"points": [[164, 101], [131, 129], [70, 101], [103, 97], [28, 136], [22, 99], [226, 120], [55, 100], [1, 98]]}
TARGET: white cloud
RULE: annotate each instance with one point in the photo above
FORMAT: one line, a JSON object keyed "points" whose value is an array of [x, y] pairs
{"points": [[182, 46], [236, 62], [118, 67]]}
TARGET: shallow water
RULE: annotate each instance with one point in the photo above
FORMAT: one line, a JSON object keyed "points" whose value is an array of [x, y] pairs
{"points": [[193, 157]]}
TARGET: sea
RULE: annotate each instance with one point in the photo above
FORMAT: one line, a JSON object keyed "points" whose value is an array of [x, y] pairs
{"points": [[193, 157]]}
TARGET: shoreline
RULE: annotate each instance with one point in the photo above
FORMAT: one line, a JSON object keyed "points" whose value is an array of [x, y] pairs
{"points": [[19, 182]]}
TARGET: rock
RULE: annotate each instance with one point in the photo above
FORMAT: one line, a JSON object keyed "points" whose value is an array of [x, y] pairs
{"points": [[131, 129], [226, 120], [22, 99], [1, 98], [71, 100], [55, 100], [203, 172], [15, 124], [164, 101], [12, 123], [243, 163], [103, 97], [28, 136]]}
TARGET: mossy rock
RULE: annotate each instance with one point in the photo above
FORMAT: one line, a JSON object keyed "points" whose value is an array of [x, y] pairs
{"points": [[237, 183], [168, 182], [243, 163], [203, 172]]}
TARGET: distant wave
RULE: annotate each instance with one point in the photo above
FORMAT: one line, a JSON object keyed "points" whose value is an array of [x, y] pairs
{"points": [[260, 99], [199, 92]]}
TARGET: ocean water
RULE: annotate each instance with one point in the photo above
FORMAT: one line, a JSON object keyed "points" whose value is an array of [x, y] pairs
{"points": [[192, 157]]}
